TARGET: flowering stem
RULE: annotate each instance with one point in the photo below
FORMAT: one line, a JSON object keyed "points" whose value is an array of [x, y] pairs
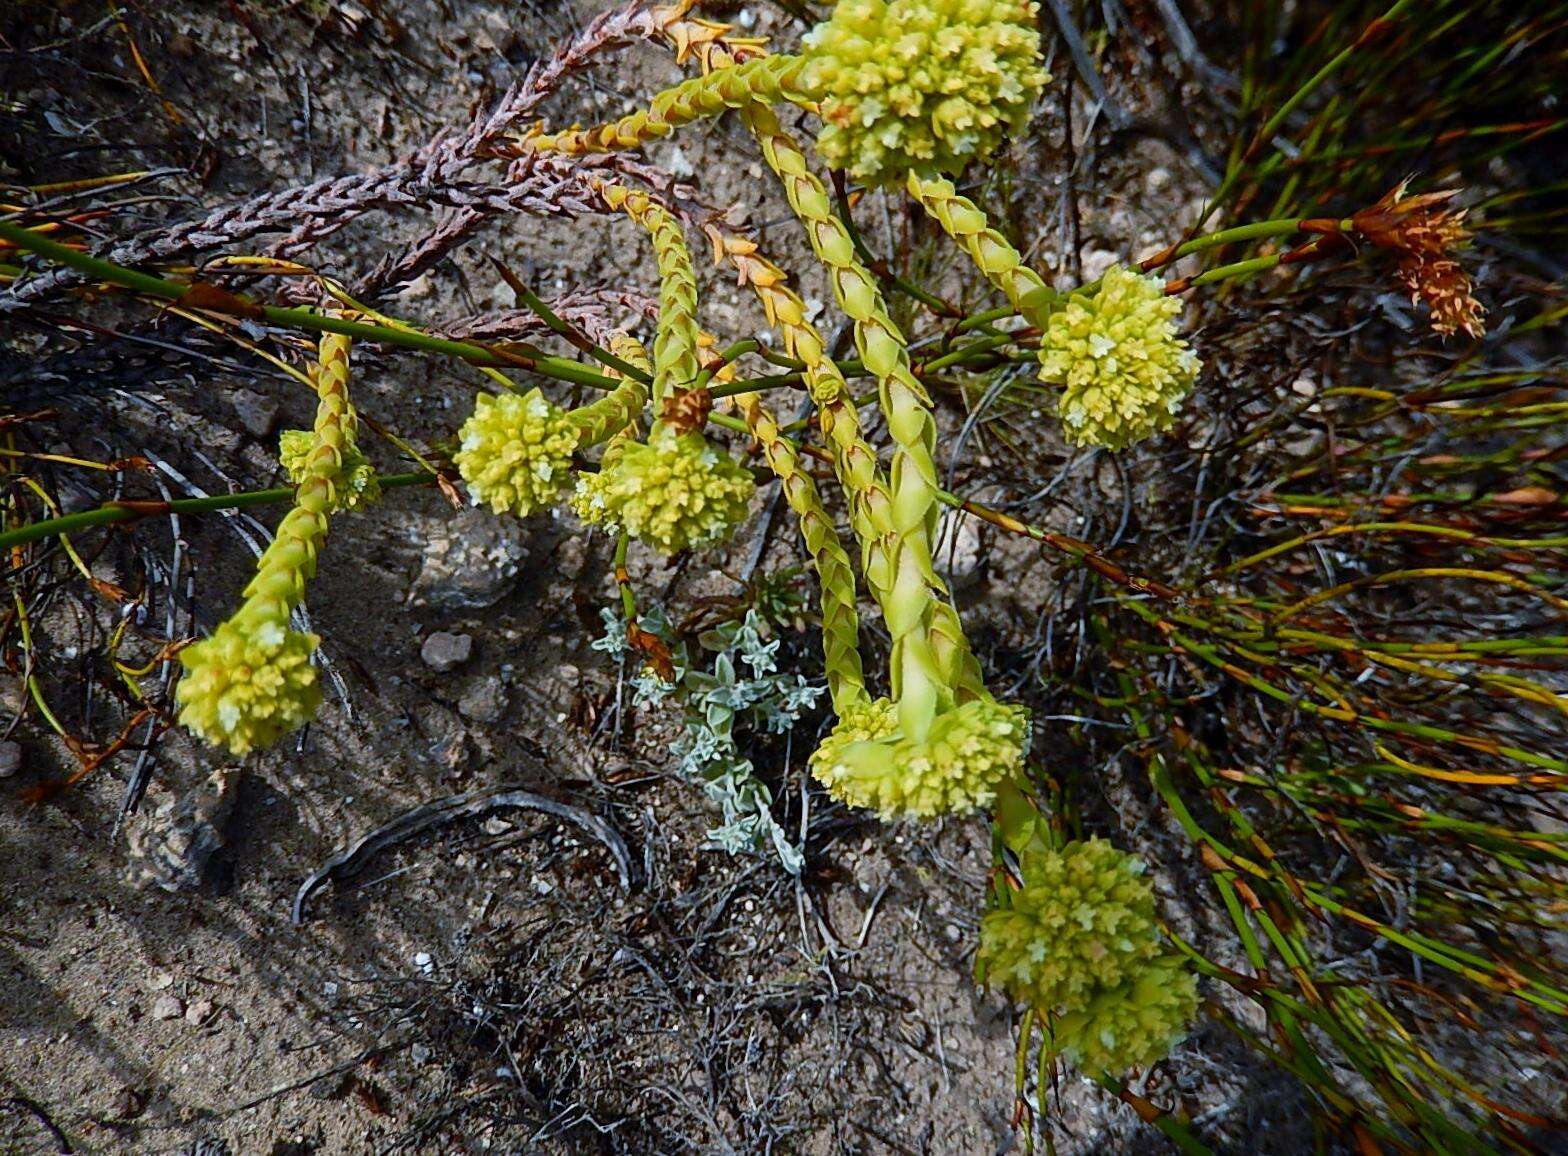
{"points": [[929, 652], [880, 268], [995, 257], [1080, 551], [835, 576], [675, 362]]}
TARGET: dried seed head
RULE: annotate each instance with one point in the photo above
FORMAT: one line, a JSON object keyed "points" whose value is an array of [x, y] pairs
{"points": [[686, 410], [1423, 234]]}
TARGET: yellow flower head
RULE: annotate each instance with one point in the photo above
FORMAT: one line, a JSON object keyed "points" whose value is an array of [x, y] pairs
{"points": [[516, 452], [1117, 353], [956, 768], [248, 684], [1082, 921], [921, 84], [675, 492], [1133, 1024], [354, 483]]}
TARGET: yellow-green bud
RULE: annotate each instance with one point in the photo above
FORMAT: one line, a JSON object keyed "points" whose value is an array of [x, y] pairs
{"points": [[675, 492], [248, 684], [516, 452], [956, 768], [1082, 921], [1132, 1025], [355, 484], [1117, 353], [921, 84]]}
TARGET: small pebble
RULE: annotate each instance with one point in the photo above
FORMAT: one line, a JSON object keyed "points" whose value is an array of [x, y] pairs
{"points": [[10, 758], [127, 1104], [168, 1007], [199, 1012], [471, 561], [445, 651], [484, 701], [257, 414]]}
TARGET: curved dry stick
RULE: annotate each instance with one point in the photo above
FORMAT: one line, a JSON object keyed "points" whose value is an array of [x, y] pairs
{"points": [[348, 862]]}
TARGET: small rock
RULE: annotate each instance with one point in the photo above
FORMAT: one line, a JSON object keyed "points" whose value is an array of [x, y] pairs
{"points": [[174, 847], [448, 739], [10, 758], [199, 1012], [445, 651], [161, 981], [677, 164], [484, 701], [1097, 261], [168, 1007], [127, 1104], [471, 560], [419, 288], [258, 414]]}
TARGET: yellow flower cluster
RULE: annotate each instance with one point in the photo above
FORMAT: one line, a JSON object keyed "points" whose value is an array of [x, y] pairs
{"points": [[1125, 369], [1132, 1025], [956, 768], [1079, 940], [248, 684], [1084, 919], [921, 84], [515, 452], [673, 492], [355, 484]]}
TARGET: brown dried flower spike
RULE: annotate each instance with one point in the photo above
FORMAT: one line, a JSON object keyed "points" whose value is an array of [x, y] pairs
{"points": [[1423, 235]]}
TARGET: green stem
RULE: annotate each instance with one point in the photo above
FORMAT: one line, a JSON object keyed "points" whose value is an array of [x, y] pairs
{"points": [[734, 352], [101, 270], [603, 356], [1256, 231], [130, 511], [1272, 126]]}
